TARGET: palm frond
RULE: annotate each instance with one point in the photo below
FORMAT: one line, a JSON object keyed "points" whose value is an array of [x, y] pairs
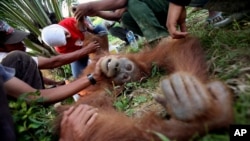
{"points": [[33, 15]]}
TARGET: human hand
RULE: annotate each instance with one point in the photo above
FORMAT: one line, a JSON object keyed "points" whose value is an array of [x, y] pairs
{"points": [[185, 97], [98, 72], [92, 47], [176, 17], [83, 10], [76, 121]]}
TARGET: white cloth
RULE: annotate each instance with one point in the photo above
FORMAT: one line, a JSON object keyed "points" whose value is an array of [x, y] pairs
{"points": [[2, 56], [54, 35]]}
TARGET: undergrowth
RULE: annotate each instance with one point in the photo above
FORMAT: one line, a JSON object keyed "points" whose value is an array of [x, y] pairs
{"points": [[227, 52]]}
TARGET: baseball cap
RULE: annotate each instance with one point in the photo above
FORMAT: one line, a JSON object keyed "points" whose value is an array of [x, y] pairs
{"points": [[9, 35], [54, 35]]}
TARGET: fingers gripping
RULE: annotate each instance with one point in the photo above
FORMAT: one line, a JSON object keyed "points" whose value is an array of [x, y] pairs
{"points": [[219, 91], [185, 96], [222, 97]]}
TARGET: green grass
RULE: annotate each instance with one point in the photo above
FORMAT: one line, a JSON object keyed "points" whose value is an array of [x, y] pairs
{"points": [[228, 57]]}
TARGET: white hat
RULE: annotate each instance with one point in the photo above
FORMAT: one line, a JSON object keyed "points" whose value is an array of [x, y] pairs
{"points": [[54, 35]]}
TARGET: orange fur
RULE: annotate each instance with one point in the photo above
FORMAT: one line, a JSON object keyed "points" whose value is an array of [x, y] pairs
{"points": [[103, 41], [184, 55], [171, 55]]}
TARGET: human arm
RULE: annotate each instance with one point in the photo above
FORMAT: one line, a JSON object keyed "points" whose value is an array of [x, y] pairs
{"points": [[51, 95], [63, 59], [177, 17], [15, 88], [91, 8], [76, 121], [111, 15]]}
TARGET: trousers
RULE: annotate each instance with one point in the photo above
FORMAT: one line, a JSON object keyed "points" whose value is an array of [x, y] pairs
{"points": [[25, 67], [146, 18]]}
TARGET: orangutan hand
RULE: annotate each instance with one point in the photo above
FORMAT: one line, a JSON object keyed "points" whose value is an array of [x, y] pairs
{"points": [[76, 121]]}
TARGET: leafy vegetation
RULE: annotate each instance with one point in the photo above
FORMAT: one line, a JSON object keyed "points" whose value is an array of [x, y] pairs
{"points": [[32, 121], [227, 52]]}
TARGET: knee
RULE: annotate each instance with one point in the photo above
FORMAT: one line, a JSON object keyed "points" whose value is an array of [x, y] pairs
{"points": [[17, 56], [12, 57]]}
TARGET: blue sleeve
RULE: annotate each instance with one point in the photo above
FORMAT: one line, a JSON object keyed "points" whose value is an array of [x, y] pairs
{"points": [[180, 2], [6, 73]]}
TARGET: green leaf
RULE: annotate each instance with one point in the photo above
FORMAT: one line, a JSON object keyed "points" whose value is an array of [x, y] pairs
{"points": [[24, 105], [140, 99], [34, 120], [21, 128], [34, 126], [161, 136], [119, 105], [24, 117]]}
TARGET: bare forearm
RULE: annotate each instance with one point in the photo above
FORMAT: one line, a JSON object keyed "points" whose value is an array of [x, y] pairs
{"points": [[51, 95], [62, 92], [109, 15], [107, 5], [15, 87], [20, 87], [59, 60]]}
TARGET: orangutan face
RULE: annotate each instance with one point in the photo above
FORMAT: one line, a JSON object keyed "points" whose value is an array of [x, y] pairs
{"points": [[121, 70]]}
